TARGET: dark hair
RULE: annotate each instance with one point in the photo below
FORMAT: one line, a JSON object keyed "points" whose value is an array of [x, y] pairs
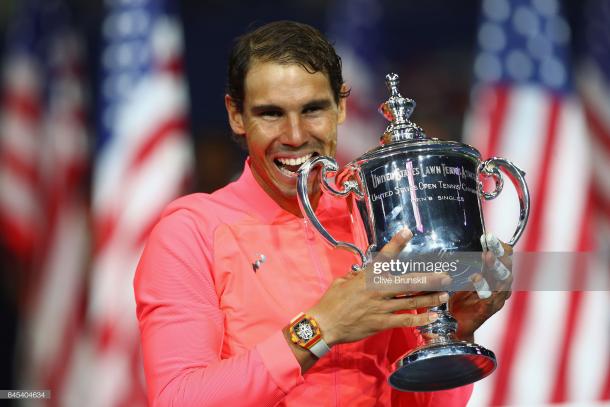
{"points": [[284, 42]]}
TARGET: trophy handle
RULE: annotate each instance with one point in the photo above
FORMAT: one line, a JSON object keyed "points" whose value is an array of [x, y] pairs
{"points": [[491, 168], [328, 165]]}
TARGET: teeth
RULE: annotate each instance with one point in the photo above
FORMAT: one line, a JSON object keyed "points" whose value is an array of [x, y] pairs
{"points": [[286, 172], [294, 161]]}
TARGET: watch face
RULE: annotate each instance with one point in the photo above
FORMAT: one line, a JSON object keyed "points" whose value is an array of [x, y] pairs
{"points": [[304, 330]]}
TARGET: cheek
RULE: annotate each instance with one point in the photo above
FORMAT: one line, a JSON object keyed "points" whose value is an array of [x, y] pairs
{"points": [[323, 122], [328, 133], [260, 135], [324, 127]]}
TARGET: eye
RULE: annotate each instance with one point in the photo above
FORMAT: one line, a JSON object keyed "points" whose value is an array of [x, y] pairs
{"points": [[312, 109], [317, 107], [271, 114]]}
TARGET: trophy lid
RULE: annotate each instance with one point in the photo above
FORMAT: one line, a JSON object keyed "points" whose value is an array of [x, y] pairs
{"points": [[402, 135], [397, 109]]}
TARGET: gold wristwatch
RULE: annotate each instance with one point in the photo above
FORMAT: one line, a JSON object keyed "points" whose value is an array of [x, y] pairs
{"points": [[305, 332]]}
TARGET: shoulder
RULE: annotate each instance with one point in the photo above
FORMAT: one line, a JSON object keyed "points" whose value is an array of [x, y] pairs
{"points": [[203, 213], [182, 240]]}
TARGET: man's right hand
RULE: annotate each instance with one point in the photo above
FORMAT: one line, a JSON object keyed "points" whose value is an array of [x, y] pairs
{"points": [[350, 310]]}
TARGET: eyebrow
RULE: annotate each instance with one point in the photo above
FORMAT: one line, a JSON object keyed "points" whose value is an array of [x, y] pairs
{"points": [[318, 103], [258, 109]]}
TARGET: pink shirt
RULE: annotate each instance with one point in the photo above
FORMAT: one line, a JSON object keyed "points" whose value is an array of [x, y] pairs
{"points": [[211, 324]]}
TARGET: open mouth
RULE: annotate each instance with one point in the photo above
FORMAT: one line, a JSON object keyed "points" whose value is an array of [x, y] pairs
{"points": [[290, 166]]}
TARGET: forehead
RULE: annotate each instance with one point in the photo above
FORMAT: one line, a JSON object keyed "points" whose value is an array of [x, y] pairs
{"points": [[284, 84]]}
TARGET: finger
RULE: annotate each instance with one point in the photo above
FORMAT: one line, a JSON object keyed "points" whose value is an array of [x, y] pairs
{"points": [[506, 258], [500, 271], [481, 286], [491, 243], [507, 261], [403, 320], [496, 268], [505, 285], [415, 302], [499, 300], [398, 242]]}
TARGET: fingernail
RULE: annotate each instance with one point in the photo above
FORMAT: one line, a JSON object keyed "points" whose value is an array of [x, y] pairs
{"points": [[406, 233], [482, 288], [444, 297], [446, 281], [432, 316], [475, 277], [494, 245], [500, 270]]}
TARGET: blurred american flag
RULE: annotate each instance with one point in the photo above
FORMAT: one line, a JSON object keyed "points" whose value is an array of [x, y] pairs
{"points": [[525, 108], [594, 86], [43, 171], [143, 161], [20, 119]]}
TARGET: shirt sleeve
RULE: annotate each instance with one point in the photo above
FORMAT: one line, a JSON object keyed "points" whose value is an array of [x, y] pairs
{"points": [[182, 329], [401, 342]]}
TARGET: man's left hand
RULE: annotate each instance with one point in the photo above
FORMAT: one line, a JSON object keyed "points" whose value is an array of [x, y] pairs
{"points": [[473, 308]]}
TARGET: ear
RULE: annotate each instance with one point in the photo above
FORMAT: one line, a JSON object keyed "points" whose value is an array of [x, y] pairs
{"points": [[342, 105], [236, 119]]}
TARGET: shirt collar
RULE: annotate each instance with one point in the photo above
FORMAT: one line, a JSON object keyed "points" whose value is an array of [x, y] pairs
{"points": [[264, 206]]}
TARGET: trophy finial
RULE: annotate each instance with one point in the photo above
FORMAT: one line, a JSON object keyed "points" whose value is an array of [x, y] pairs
{"points": [[392, 81], [397, 109]]}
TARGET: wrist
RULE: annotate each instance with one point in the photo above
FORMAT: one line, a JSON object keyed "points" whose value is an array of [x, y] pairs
{"points": [[326, 326], [305, 358]]}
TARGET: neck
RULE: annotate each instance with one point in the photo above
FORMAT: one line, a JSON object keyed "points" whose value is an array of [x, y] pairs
{"points": [[290, 203], [293, 205]]}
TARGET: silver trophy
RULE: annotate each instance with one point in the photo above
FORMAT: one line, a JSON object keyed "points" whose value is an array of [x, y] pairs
{"points": [[434, 187]]}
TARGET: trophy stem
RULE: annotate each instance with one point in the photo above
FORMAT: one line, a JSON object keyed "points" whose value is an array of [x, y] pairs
{"points": [[443, 329], [442, 361]]}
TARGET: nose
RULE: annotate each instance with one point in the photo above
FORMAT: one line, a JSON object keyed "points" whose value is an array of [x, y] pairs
{"points": [[294, 134]]}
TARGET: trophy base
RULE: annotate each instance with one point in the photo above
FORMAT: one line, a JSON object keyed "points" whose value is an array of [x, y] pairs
{"points": [[442, 366]]}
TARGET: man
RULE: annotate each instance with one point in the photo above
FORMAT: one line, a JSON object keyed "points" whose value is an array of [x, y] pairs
{"points": [[223, 275]]}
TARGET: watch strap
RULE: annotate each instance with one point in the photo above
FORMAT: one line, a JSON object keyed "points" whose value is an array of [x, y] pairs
{"points": [[320, 348]]}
